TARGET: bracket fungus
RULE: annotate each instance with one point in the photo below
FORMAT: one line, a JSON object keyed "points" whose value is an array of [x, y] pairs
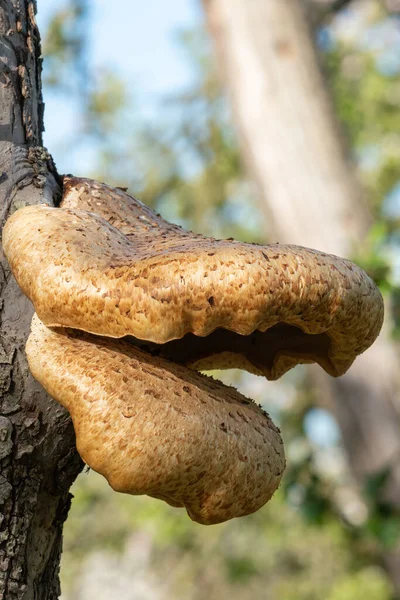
{"points": [[103, 267]]}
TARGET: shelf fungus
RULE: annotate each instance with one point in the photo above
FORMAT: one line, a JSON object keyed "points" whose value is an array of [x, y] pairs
{"points": [[104, 267]]}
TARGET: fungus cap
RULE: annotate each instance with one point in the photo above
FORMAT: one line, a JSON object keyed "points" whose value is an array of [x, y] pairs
{"points": [[153, 427], [126, 271]]}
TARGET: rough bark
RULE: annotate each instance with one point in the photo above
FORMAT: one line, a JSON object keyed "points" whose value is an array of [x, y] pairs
{"points": [[38, 459], [295, 151]]}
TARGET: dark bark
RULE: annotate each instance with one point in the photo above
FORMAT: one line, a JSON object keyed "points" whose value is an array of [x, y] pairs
{"points": [[38, 458]]}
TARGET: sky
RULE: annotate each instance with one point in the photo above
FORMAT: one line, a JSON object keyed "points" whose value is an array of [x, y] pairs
{"points": [[139, 40]]}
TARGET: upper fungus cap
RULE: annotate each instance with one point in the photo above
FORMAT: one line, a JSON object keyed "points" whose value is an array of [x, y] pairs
{"points": [[126, 271]]}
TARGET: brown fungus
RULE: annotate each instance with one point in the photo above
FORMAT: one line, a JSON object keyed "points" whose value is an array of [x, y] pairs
{"points": [[107, 265], [153, 427], [121, 270]]}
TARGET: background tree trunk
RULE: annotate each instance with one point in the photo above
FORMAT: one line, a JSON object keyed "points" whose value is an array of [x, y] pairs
{"points": [[38, 459], [294, 149]]}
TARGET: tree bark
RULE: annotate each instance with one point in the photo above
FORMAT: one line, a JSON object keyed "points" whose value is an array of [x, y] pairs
{"points": [[296, 153], [38, 458]]}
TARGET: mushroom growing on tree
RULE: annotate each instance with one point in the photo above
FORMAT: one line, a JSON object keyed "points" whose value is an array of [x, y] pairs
{"points": [[103, 267]]}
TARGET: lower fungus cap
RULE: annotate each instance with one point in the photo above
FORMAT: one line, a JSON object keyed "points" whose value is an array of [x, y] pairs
{"points": [[153, 427]]}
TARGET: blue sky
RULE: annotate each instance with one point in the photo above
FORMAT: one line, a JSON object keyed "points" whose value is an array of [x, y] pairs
{"points": [[139, 40]]}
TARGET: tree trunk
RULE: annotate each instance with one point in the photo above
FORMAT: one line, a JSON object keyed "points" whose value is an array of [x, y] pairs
{"points": [[294, 148], [38, 459]]}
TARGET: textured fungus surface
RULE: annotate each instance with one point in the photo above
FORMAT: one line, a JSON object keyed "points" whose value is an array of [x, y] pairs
{"points": [[153, 427], [105, 265], [125, 271]]}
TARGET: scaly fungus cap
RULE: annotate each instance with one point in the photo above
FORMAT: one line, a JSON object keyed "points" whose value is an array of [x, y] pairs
{"points": [[125, 271], [153, 427]]}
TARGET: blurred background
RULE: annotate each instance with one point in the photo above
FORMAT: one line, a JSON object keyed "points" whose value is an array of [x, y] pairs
{"points": [[274, 120]]}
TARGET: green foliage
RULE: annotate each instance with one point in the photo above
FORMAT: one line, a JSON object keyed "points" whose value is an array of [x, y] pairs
{"points": [[271, 554], [65, 47], [104, 102], [367, 103], [367, 100], [369, 583], [371, 257]]}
